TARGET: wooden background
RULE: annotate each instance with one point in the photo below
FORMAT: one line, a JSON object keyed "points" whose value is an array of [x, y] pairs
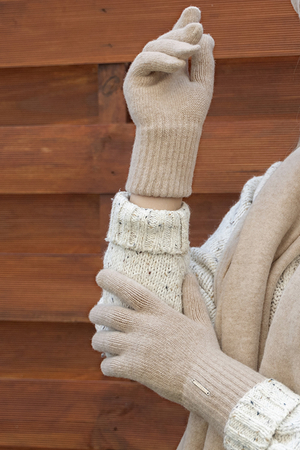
{"points": [[65, 143]]}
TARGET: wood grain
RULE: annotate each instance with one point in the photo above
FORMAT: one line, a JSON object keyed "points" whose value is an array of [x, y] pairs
{"points": [[95, 158], [64, 159], [87, 415], [232, 152], [112, 105], [44, 350], [48, 95], [28, 448], [55, 288], [260, 88], [34, 33], [50, 223]]}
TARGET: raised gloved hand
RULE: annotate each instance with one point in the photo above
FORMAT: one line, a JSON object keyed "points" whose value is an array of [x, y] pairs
{"points": [[176, 357], [168, 105]]}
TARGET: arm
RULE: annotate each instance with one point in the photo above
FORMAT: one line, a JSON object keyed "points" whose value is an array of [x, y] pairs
{"points": [[150, 246], [168, 130]]}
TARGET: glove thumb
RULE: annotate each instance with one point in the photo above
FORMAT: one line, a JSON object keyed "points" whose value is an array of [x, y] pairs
{"points": [[193, 303]]}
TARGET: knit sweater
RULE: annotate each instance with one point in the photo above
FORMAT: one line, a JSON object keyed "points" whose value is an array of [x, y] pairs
{"points": [[152, 247]]}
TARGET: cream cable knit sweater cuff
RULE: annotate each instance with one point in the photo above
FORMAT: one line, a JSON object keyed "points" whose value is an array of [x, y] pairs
{"points": [[150, 246], [258, 414], [148, 230]]}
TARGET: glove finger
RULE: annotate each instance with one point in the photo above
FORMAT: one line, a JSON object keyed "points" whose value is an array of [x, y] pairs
{"points": [[116, 317], [203, 63], [192, 14], [181, 50], [193, 304], [147, 62], [112, 342], [191, 34], [116, 366], [129, 291]]}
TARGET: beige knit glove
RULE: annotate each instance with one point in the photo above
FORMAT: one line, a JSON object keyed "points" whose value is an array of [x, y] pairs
{"points": [[168, 106], [176, 357]]}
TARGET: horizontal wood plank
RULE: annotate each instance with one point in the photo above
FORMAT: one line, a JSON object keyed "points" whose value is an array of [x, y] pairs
{"points": [[49, 351], [48, 95], [50, 223], [55, 288], [62, 288], [34, 33], [232, 152], [257, 88], [95, 158], [28, 448], [87, 414], [63, 159], [64, 351], [112, 105]]}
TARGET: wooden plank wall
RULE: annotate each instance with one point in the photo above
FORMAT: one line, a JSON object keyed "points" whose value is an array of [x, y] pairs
{"points": [[66, 139]]}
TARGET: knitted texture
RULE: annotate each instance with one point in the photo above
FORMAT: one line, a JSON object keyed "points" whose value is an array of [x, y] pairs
{"points": [[150, 246], [205, 259], [168, 106], [225, 380], [147, 232], [258, 416], [189, 368], [281, 285]]}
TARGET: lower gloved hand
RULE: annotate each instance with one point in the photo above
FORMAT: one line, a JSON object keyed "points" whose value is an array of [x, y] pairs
{"points": [[176, 357]]}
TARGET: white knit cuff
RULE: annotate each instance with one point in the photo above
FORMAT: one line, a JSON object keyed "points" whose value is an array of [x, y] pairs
{"points": [[257, 415], [148, 230]]}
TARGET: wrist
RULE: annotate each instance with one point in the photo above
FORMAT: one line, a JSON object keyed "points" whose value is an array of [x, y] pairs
{"points": [[214, 386], [148, 230], [158, 203], [163, 160]]}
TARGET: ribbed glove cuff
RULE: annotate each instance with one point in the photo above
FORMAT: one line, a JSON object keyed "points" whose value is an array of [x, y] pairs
{"points": [[163, 160], [225, 382]]}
